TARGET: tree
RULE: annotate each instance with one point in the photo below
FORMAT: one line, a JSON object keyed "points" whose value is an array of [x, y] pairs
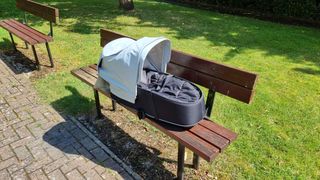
{"points": [[126, 5]]}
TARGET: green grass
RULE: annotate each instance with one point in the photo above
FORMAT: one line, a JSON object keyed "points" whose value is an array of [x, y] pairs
{"points": [[279, 133]]}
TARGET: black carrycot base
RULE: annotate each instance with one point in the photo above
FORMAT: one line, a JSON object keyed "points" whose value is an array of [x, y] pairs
{"points": [[169, 99]]}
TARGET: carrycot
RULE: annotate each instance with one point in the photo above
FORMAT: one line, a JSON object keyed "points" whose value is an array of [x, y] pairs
{"points": [[135, 73]]}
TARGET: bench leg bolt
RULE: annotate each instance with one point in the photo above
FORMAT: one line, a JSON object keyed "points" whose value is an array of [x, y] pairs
{"points": [[98, 107], [36, 56], [13, 43], [49, 54], [181, 153]]}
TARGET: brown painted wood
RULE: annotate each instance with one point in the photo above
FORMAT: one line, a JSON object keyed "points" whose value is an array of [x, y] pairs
{"points": [[196, 144], [229, 81], [24, 32], [224, 132], [94, 66], [107, 36], [90, 71], [45, 38], [207, 139], [14, 25], [213, 138], [218, 70], [40, 10], [224, 87], [85, 77], [18, 33]]}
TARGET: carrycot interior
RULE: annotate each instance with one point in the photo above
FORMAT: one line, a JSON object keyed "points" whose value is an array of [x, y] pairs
{"points": [[170, 87]]}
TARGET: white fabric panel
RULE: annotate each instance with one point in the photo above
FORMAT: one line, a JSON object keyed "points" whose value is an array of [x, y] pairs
{"points": [[123, 59]]}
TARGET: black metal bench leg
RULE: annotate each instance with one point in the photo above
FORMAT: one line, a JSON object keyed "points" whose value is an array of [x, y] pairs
{"points": [[196, 161], [35, 56], [114, 105], [49, 54], [13, 43], [97, 99], [181, 154]]}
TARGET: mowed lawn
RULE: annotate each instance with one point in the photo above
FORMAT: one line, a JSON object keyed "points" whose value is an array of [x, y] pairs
{"points": [[279, 133]]}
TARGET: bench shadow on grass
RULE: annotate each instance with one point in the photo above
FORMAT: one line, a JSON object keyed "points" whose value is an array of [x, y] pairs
{"points": [[5, 44], [16, 60], [308, 71], [118, 141]]}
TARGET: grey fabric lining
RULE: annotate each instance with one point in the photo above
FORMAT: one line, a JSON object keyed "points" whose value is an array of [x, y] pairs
{"points": [[172, 87]]}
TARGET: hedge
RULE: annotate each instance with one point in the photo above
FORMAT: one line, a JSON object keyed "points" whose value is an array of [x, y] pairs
{"points": [[307, 9]]}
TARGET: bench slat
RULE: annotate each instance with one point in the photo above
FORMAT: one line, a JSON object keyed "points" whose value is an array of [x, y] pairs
{"points": [[13, 25], [210, 136], [45, 38], [107, 36], [231, 136], [215, 69], [216, 84], [40, 10], [94, 66], [90, 71], [207, 139], [18, 33], [25, 31], [198, 145], [85, 77]]}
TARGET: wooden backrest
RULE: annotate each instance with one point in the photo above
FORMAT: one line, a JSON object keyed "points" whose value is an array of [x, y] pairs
{"points": [[226, 80], [46, 12]]}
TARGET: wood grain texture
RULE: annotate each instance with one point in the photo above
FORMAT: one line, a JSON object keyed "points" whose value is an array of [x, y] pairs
{"points": [[213, 138], [33, 31], [18, 33], [229, 81], [40, 10], [222, 131], [24, 32]]}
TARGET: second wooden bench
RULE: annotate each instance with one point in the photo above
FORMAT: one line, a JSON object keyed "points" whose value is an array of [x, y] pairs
{"points": [[28, 34]]}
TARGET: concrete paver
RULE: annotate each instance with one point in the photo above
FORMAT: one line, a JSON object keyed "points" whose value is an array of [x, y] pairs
{"points": [[36, 142]]}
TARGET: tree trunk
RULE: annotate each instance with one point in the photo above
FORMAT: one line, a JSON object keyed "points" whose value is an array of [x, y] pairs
{"points": [[126, 5]]}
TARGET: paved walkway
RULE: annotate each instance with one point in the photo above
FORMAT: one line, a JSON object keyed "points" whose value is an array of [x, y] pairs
{"points": [[37, 143]]}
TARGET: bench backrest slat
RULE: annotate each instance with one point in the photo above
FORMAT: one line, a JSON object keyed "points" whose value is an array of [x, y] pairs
{"points": [[226, 80], [46, 12]]}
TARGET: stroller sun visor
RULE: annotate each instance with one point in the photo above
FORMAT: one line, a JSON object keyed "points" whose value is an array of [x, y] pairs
{"points": [[123, 60]]}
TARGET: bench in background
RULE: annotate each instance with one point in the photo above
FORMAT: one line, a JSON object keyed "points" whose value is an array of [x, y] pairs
{"points": [[28, 34], [207, 139]]}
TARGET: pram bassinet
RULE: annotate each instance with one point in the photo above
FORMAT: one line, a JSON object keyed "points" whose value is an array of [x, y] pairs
{"points": [[135, 72]]}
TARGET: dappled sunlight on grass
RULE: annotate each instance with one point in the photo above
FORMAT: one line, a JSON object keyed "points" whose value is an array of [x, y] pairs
{"points": [[278, 133]]}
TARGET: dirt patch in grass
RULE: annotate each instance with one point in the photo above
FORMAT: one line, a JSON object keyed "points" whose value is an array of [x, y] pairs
{"points": [[22, 62], [149, 152]]}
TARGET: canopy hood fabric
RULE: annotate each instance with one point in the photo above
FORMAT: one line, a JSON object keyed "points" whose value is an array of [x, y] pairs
{"points": [[122, 62]]}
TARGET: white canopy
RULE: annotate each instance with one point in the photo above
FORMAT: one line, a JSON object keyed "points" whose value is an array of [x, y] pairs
{"points": [[123, 60]]}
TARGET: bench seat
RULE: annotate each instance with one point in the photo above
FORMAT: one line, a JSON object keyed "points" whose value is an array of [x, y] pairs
{"points": [[207, 139], [24, 32]]}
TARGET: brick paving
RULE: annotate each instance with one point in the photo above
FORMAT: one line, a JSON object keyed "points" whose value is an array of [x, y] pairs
{"points": [[38, 143]]}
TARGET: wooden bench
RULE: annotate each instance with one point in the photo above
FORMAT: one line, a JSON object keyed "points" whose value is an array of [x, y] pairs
{"points": [[27, 33], [207, 139]]}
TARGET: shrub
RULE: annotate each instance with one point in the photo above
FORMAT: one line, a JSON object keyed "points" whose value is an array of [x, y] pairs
{"points": [[308, 9]]}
